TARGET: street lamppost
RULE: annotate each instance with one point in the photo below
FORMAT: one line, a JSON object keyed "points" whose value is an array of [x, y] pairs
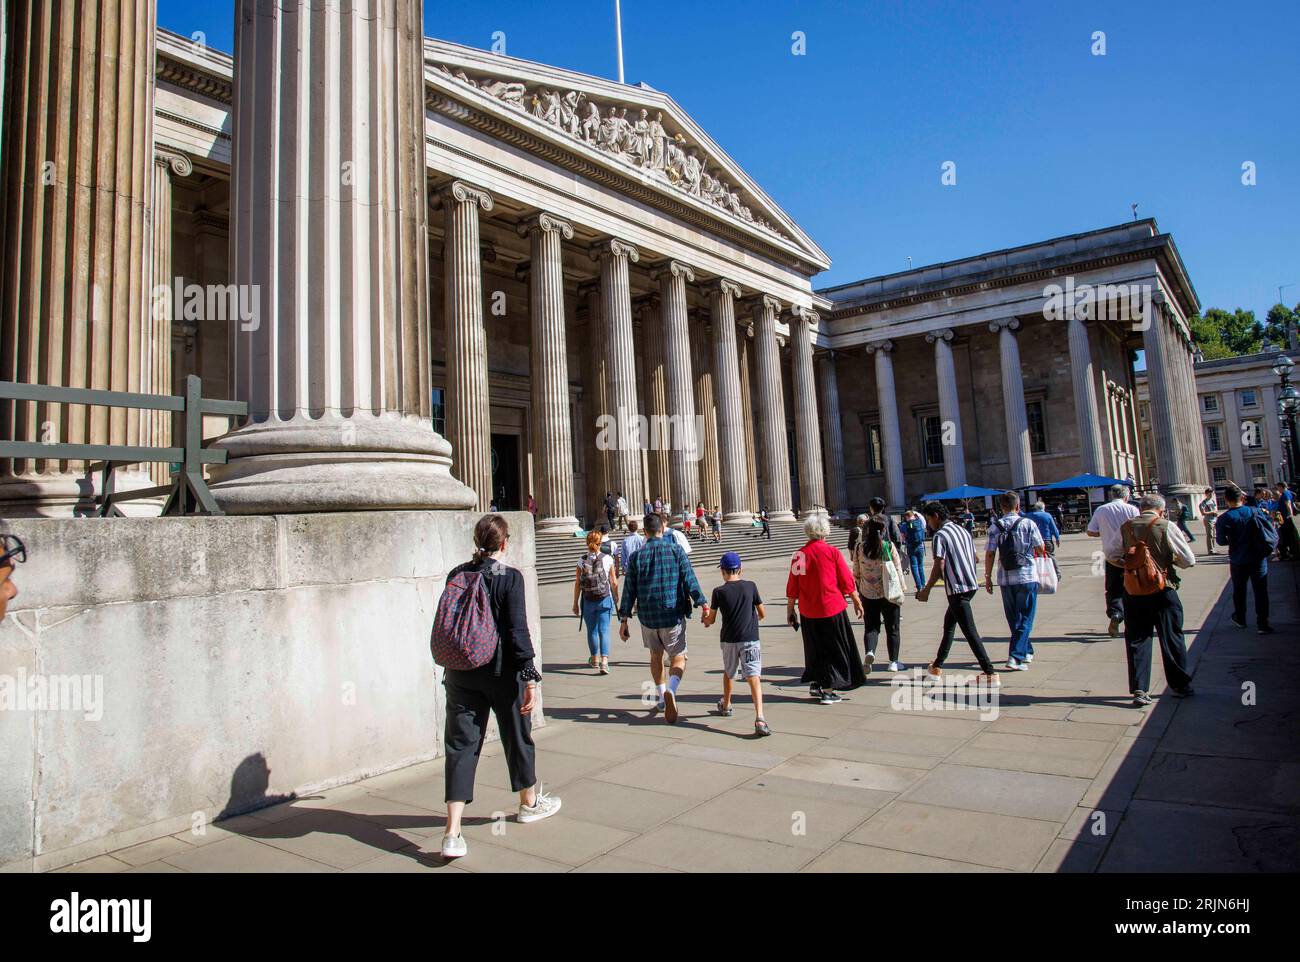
{"points": [[1288, 404]]}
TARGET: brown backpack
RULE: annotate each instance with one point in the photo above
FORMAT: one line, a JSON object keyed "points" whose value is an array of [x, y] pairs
{"points": [[1142, 575]]}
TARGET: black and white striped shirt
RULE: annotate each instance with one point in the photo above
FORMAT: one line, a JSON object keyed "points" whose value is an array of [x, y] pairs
{"points": [[953, 544]]}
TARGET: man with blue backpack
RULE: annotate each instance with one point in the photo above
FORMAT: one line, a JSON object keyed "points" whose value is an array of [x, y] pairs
{"points": [[1014, 540], [1251, 539]]}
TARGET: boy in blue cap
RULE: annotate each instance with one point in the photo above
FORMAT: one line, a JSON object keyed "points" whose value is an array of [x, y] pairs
{"points": [[741, 608]]}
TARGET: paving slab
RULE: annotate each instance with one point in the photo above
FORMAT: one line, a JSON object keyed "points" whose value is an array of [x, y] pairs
{"points": [[677, 776], [812, 823], [1000, 841], [696, 850], [852, 857], [1027, 795]]}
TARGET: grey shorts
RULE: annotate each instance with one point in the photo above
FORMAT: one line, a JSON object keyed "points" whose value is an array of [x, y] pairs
{"points": [[665, 641], [742, 659]]}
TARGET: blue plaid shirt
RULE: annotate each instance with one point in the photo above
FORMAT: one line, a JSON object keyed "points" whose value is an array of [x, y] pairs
{"points": [[661, 582]]}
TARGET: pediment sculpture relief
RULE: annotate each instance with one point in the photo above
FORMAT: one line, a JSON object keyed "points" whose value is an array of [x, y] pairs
{"points": [[641, 141]]}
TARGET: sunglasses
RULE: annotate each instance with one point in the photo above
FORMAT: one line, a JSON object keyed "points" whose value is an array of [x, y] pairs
{"points": [[15, 552]]}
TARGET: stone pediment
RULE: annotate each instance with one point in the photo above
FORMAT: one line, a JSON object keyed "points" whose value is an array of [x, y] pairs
{"points": [[639, 131]]}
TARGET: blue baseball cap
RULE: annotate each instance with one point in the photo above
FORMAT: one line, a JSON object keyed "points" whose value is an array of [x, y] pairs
{"points": [[730, 561]]}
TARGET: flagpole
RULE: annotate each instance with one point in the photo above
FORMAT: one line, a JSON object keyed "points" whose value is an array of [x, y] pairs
{"points": [[618, 29]]}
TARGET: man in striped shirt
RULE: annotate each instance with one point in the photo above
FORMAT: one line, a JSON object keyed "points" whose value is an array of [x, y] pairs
{"points": [[955, 562]]}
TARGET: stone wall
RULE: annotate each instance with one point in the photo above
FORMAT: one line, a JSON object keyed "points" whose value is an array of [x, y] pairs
{"points": [[241, 659]]}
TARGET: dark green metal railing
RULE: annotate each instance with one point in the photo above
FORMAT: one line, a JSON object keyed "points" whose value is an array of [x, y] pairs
{"points": [[188, 494]]}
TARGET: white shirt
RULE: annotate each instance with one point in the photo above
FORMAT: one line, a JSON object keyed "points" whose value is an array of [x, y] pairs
{"points": [[683, 542], [1183, 554], [1106, 521], [621, 506]]}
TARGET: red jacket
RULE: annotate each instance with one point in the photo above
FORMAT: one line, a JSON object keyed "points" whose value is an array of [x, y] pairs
{"points": [[819, 580]]}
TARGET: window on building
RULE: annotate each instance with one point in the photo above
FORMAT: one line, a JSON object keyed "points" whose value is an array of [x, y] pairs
{"points": [[1250, 398], [1213, 439], [875, 451], [1219, 474], [439, 412], [1144, 411], [1209, 403], [1252, 434], [932, 440], [1037, 427], [1258, 473]]}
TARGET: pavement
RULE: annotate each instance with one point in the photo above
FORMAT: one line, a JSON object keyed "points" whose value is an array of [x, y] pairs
{"points": [[1063, 777]]}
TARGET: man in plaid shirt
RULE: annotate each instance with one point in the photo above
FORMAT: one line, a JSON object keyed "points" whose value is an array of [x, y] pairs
{"points": [[661, 583]]}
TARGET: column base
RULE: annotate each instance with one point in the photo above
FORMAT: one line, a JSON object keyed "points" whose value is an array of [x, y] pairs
{"points": [[558, 526], [365, 462], [786, 515], [72, 495], [739, 518]]}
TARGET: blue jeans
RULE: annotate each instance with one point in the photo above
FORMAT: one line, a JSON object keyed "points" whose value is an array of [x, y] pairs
{"points": [[1019, 603], [596, 616], [916, 558]]}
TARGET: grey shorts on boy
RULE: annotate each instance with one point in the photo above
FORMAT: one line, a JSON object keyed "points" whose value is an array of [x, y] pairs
{"points": [[742, 659]]}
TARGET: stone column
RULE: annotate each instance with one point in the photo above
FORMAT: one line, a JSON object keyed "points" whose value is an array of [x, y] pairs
{"points": [[954, 455], [1083, 379], [595, 429], [469, 423], [160, 309], [659, 437], [727, 390], [837, 490], [891, 442], [807, 425], [745, 361], [684, 453], [328, 242], [706, 414], [620, 352], [77, 190], [1019, 452], [552, 436], [1164, 420], [770, 411]]}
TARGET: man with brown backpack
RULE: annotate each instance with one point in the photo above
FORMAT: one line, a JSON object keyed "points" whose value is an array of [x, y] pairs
{"points": [[1153, 548]]}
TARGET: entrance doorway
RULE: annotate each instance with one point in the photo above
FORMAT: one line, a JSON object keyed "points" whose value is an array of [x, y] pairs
{"points": [[505, 472]]}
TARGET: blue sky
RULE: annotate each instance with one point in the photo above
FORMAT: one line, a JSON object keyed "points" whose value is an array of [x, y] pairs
{"points": [[1047, 138]]}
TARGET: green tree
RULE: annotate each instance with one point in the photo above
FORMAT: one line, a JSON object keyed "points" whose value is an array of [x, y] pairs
{"points": [[1218, 333], [1279, 318]]}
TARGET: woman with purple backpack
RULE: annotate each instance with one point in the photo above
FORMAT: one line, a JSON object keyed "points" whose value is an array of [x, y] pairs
{"points": [[505, 684]]}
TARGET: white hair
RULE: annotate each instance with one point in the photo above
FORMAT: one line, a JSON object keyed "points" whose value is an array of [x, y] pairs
{"points": [[862, 519], [1118, 492], [1152, 500], [1039, 506], [817, 527]]}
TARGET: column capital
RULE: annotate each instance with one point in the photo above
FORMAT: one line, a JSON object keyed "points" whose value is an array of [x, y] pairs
{"points": [[615, 248], [463, 193], [944, 335], [672, 268], [764, 302], [806, 314], [180, 164], [721, 285], [1008, 323], [874, 346], [546, 223]]}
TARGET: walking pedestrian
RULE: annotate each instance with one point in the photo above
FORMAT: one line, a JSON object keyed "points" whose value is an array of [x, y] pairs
{"points": [[954, 561], [1209, 508], [620, 511], [1153, 548], [1287, 543], [818, 583], [741, 608], [1250, 537], [1105, 524], [633, 543], [1183, 513], [1014, 540], [914, 542], [610, 504], [595, 593], [661, 583], [506, 686], [855, 533], [878, 574], [1048, 530], [716, 520], [766, 522]]}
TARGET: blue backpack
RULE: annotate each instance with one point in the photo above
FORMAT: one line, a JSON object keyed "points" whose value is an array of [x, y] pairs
{"points": [[1261, 534]]}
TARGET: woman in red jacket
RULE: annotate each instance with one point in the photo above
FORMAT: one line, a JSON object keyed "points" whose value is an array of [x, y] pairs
{"points": [[819, 582]]}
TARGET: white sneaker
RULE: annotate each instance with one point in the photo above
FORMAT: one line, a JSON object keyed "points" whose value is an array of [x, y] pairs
{"points": [[895, 666], [1029, 658], [454, 847], [544, 806], [1013, 665]]}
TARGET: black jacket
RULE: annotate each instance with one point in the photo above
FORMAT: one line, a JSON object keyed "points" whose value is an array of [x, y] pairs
{"points": [[506, 589]]}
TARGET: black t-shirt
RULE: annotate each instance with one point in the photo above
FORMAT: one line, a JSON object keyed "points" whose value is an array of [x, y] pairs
{"points": [[735, 602]]}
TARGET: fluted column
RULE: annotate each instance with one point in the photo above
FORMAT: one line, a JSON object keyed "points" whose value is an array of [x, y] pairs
{"points": [[329, 229], [706, 414], [727, 392], [77, 193], [552, 439], [657, 425], [1084, 382], [770, 411], [619, 343], [594, 425], [954, 454], [1164, 420], [890, 432], [1019, 452], [837, 490], [684, 452], [469, 424], [745, 361], [807, 425]]}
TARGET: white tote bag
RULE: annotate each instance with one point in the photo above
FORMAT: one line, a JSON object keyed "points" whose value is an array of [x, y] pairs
{"points": [[1046, 572], [891, 579]]}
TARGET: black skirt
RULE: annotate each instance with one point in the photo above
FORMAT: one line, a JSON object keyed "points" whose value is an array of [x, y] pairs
{"points": [[830, 655]]}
